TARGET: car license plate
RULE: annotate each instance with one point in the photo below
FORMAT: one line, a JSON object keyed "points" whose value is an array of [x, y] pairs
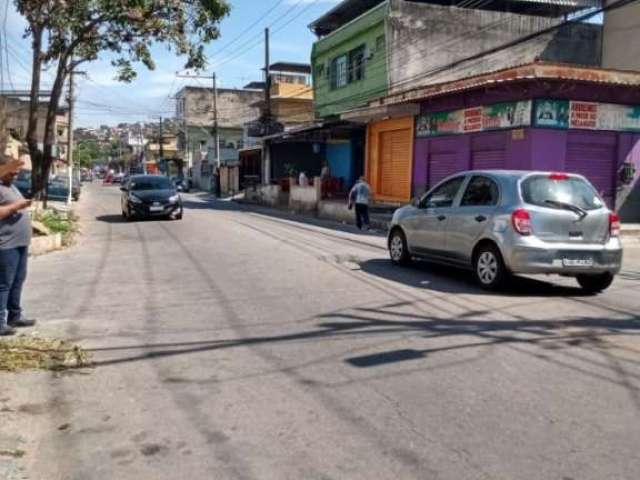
{"points": [[577, 262], [156, 208]]}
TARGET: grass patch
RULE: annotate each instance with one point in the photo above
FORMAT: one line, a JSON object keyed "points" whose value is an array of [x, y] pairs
{"points": [[29, 352], [55, 221], [66, 224]]}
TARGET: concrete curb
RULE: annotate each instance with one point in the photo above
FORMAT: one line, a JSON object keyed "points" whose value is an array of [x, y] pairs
{"points": [[43, 245]]}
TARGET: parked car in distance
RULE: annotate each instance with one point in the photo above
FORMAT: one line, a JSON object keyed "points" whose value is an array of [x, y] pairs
{"points": [[499, 223], [181, 184], [148, 196], [117, 178], [23, 183], [58, 189]]}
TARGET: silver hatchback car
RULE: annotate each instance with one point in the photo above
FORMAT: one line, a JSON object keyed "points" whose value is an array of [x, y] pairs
{"points": [[498, 223]]}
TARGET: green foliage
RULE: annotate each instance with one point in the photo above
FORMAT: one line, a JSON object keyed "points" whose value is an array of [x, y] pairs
{"points": [[88, 152], [56, 222], [67, 33], [83, 29]]}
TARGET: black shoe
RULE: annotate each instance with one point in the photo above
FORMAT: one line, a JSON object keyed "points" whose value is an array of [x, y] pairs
{"points": [[7, 331], [22, 322]]}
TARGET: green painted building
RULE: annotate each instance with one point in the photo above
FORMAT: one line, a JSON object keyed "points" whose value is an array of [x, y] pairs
{"points": [[349, 60]]}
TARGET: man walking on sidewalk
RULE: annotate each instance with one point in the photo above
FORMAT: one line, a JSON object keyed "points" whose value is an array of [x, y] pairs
{"points": [[15, 237], [359, 196]]}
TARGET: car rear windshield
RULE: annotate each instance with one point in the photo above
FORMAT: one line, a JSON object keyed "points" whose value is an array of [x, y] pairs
{"points": [[160, 183], [552, 190]]}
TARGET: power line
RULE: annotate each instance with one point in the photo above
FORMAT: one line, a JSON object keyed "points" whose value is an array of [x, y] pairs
{"points": [[250, 27], [250, 46]]}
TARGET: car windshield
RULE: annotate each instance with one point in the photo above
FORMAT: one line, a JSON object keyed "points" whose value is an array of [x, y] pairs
{"points": [[557, 191], [159, 183]]}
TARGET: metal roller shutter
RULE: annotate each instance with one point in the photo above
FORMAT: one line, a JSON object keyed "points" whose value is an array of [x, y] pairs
{"points": [[593, 155], [395, 164], [488, 160], [488, 151], [441, 165]]}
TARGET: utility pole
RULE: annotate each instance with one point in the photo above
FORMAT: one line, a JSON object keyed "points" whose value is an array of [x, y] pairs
{"points": [[70, 134], [267, 83], [160, 144], [267, 111], [216, 133]]}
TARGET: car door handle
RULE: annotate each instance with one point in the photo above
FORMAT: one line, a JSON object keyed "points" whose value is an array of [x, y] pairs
{"points": [[481, 218], [441, 217]]}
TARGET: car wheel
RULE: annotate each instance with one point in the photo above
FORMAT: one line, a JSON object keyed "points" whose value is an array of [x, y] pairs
{"points": [[398, 250], [489, 268], [593, 284]]}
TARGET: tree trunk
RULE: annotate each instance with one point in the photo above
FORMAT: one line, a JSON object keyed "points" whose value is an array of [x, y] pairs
{"points": [[49, 129], [32, 128]]}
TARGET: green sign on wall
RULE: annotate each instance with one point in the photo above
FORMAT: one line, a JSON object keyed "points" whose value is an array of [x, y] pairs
{"points": [[552, 113], [477, 119]]}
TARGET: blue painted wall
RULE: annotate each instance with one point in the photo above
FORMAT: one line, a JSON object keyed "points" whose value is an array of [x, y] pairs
{"points": [[340, 160]]}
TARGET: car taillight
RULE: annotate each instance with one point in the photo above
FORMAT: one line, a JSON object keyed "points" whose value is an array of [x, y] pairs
{"points": [[521, 220], [614, 225], [559, 177]]}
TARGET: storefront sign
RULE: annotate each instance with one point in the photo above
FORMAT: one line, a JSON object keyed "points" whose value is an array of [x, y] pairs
{"points": [[552, 113], [477, 119], [586, 115], [618, 117], [440, 123], [473, 120]]}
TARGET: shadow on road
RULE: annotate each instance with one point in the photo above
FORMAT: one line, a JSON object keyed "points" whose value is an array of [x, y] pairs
{"points": [[115, 219], [110, 219], [438, 278]]}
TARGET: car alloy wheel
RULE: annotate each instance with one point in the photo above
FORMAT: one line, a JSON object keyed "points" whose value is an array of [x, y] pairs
{"points": [[398, 249], [487, 267]]}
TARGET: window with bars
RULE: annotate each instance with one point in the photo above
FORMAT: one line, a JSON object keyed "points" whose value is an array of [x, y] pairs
{"points": [[339, 72]]}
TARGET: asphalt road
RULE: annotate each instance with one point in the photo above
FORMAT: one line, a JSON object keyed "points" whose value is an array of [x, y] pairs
{"points": [[238, 345]]}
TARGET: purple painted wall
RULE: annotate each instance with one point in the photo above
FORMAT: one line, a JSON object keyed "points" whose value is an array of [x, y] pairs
{"points": [[461, 149], [540, 148]]}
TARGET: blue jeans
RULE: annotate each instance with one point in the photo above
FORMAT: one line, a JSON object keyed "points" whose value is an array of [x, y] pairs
{"points": [[13, 273], [362, 215]]}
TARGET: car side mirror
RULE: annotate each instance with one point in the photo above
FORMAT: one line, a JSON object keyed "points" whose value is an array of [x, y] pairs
{"points": [[415, 201], [123, 189]]}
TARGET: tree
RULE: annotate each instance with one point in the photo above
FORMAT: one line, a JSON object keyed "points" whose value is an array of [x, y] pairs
{"points": [[87, 153], [68, 33]]}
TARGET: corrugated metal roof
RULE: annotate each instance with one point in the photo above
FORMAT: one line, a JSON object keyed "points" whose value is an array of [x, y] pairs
{"points": [[538, 70]]}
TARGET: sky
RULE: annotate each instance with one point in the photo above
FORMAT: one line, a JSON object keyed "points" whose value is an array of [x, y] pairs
{"points": [[237, 58]]}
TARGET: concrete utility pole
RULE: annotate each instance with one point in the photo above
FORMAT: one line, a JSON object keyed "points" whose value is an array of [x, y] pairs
{"points": [[267, 83], [216, 133], [267, 111], [70, 136], [160, 144]]}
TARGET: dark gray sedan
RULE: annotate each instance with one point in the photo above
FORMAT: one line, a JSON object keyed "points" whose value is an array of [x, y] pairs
{"points": [[150, 196]]}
